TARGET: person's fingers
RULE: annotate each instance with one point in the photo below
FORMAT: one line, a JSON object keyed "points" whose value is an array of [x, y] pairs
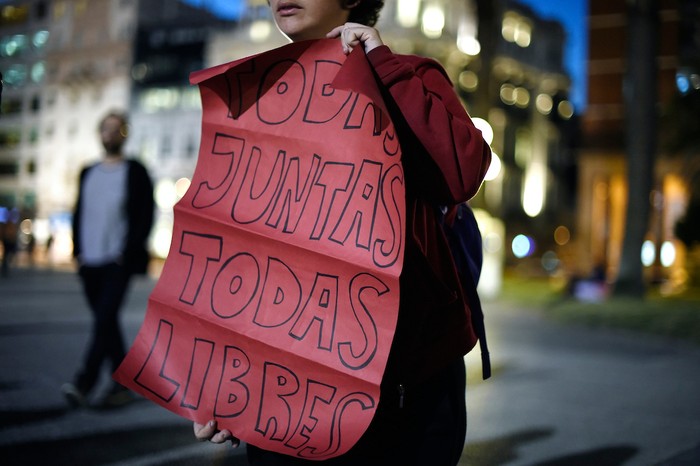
{"points": [[204, 431], [221, 436], [354, 34], [335, 32], [350, 34]]}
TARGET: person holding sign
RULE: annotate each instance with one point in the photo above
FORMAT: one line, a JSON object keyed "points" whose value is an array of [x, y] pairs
{"points": [[421, 415]]}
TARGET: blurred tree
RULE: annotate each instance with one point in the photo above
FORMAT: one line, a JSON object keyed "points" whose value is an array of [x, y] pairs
{"points": [[640, 95]]}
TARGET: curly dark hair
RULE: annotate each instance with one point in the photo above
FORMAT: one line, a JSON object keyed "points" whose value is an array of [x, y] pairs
{"points": [[365, 11]]}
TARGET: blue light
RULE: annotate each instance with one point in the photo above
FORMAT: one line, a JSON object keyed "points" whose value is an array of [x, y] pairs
{"points": [[550, 261], [224, 9], [682, 83], [522, 246]]}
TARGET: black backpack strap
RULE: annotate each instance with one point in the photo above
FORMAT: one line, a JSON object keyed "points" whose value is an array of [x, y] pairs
{"points": [[477, 316], [469, 282]]}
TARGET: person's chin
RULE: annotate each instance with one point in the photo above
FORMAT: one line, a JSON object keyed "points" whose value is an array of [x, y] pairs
{"points": [[291, 29]]}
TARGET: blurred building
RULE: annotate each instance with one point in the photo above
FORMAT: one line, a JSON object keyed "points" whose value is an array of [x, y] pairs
{"points": [[23, 49], [137, 54], [508, 65], [65, 64], [603, 180], [519, 84], [170, 42]]}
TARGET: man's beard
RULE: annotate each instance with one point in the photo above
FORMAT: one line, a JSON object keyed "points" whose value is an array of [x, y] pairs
{"points": [[113, 147]]}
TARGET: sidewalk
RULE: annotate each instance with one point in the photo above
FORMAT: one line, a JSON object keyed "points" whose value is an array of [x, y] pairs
{"points": [[559, 395], [572, 395]]}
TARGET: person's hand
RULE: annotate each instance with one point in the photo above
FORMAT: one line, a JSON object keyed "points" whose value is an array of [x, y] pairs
{"points": [[354, 34], [208, 431]]}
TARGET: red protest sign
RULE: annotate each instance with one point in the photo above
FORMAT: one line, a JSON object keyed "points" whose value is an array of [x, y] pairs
{"points": [[278, 301]]}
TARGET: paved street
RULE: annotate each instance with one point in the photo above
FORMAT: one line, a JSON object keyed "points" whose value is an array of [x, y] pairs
{"points": [[559, 395]]}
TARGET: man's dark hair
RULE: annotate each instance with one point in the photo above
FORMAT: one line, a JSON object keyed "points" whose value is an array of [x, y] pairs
{"points": [[121, 116], [365, 12]]}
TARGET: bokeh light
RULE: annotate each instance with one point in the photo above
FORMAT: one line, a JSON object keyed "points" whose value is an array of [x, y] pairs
{"points": [[562, 235], [494, 169], [648, 253], [522, 246], [485, 128], [668, 254], [550, 261]]}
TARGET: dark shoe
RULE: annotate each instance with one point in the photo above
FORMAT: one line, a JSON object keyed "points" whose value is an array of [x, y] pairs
{"points": [[117, 397], [75, 397]]}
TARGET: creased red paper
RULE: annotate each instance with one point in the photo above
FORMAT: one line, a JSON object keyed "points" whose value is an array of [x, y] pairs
{"points": [[279, 298]]}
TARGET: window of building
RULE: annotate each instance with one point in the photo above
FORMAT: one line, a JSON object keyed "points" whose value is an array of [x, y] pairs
{"points": [[13, 15], [11, 46], [11, 106], [15, 75], [40, 10], [40, 39], [191, 98], [51, 98], [153, 100], [51, 71], [35, 103], [8, 168], [166, 145], [80, 7], [97, 94], [77, 39], [10, 137], [516, 28], [34, 135], [38, 72], [191, 151], [126, 32], [59, 9]]}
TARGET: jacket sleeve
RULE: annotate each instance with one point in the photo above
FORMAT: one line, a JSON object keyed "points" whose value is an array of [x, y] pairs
{"points": [[141, 205], [77, 215], [140, 212], [457, 155]]}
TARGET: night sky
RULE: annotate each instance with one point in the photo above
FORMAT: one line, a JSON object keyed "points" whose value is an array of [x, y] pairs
{"points": [[572, 13]]}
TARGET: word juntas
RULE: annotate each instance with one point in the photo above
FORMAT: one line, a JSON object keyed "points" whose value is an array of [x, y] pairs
{"points": [[283, 179]]}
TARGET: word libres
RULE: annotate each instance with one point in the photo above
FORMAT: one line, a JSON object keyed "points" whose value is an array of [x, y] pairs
{"points": [[265, 399]]}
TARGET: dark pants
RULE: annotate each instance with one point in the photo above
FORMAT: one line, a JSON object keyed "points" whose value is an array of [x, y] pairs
{"points": [[429, 429], [105, 288]]}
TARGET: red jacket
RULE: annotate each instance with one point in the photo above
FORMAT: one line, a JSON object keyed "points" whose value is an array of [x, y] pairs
{"points": [[445, 159]]}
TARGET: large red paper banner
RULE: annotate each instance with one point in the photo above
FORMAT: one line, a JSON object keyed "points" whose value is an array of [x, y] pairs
{"points": [[278, 301]]}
